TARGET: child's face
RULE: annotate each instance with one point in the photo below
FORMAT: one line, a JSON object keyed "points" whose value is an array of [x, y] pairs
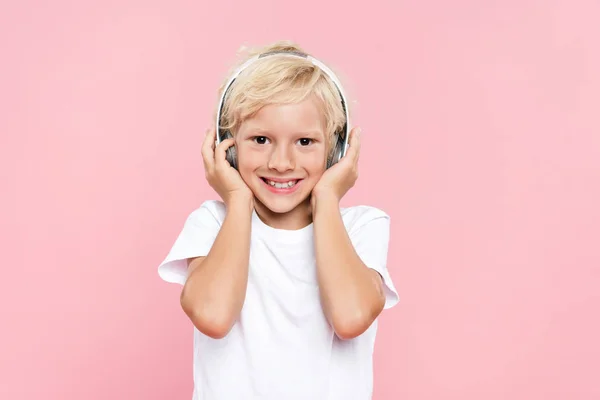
{"points": [[282, 143]]}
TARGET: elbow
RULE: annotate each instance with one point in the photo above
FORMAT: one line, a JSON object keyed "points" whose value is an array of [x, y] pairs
{"points": [[211, 326], [351, 326], [212, 329], [210, 322], [355, 322]]}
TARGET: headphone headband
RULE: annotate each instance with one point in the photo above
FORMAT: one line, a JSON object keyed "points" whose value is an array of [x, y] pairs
{"points": [[315, 62]]}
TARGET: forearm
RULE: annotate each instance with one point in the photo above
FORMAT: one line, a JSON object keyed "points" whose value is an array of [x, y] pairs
{"points": [[214, 292], [351, 293]]}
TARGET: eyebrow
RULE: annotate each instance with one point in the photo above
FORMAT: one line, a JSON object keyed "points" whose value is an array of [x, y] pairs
{"points": [[258, 131]]}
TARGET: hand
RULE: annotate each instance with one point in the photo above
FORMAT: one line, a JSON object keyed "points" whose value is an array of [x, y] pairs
{"points": [[221, 176], [338, 179]]}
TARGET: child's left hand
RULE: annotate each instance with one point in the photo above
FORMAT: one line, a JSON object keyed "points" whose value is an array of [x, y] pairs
{"points": [[338, 179]]}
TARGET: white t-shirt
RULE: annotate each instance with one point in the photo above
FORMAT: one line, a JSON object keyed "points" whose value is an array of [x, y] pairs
{"points": [[282, 347]]}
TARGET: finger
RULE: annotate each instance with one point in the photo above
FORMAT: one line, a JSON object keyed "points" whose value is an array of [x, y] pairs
{"points": [[354, 142], [356, 139], [220, 150], [356, 149], [208, 154]]}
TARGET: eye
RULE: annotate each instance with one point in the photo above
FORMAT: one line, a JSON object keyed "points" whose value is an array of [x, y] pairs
{"points": [[305, 141], [260, 139]]}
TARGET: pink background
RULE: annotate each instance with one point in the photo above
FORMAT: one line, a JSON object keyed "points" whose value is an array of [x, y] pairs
{"points": [[481, 138]]}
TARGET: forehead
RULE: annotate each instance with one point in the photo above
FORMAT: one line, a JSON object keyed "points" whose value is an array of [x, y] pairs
{"points": [[302, 117]]}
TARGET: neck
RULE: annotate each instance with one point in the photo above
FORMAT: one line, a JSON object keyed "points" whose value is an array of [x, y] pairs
{"points": [[298, 218]]}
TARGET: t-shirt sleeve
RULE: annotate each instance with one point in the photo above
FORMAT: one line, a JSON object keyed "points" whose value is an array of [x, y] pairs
{"points": [[371, 238], [194, 240]]}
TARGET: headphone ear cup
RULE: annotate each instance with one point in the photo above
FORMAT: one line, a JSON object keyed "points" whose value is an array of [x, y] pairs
{"points": [[337, 151], [232, 156], [230, 153]]}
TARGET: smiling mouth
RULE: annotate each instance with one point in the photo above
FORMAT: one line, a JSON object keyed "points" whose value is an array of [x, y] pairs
{"points": [[281, 185]]}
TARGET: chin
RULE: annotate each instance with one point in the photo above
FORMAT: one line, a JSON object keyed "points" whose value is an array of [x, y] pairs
{"points": [[281, 203], [281, 207]]}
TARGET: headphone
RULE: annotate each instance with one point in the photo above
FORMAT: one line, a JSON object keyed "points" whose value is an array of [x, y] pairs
{"points": [[340, 137]]}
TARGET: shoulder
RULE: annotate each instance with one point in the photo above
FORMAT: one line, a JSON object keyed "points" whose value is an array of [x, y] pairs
{"points": [[210, 211], [356, 217]]}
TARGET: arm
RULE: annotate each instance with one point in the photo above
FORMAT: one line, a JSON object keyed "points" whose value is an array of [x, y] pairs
{"points": [[351, 293], [215, 289]]}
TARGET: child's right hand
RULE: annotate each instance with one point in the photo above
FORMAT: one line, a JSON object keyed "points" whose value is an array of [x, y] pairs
{"points": [[221, 176]]}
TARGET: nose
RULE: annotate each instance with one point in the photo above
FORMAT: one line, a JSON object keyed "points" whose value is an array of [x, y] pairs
{"points": [[282, 159]]}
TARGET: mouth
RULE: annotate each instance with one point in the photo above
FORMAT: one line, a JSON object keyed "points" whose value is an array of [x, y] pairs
{"points": [[281, 186]]}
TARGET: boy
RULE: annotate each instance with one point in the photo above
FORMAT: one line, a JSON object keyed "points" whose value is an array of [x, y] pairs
{"points": [[283, 286]]}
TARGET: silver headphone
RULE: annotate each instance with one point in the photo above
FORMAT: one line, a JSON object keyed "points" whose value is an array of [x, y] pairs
{"points": [[341, 136]]}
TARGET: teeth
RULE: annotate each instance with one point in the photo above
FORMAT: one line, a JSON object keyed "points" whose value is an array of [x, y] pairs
{"points": [[281, 185]]}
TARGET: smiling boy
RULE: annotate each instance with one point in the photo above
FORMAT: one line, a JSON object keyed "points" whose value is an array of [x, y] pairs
{"points": [[282, 285]]}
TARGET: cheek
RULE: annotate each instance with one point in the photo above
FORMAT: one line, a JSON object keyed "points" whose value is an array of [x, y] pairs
{"points": [[315, 163], [249, 162], [247, 159]]}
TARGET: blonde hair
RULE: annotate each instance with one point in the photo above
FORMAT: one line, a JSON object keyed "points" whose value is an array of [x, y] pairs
{"points": [[280, 80]]}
